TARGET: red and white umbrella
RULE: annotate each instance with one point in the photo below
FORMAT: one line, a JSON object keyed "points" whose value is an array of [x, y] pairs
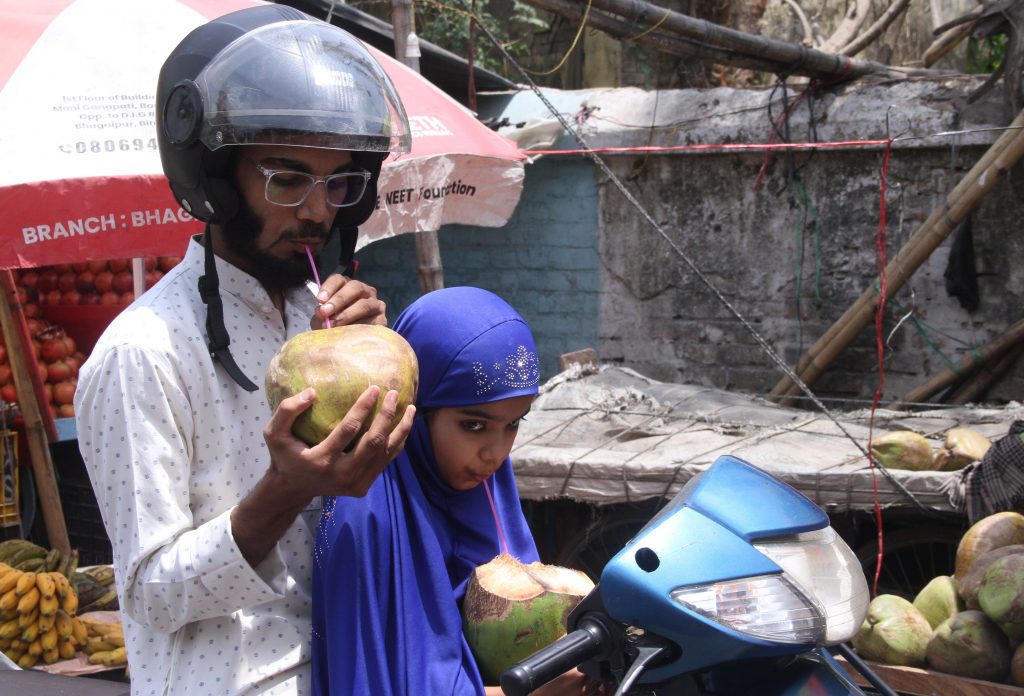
{"points": [[80, 175]]}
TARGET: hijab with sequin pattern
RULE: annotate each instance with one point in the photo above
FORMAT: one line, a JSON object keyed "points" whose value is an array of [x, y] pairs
{"points": [[391, 567]]}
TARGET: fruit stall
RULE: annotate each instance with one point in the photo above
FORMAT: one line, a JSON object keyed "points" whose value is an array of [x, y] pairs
{"points": [[52, 319], [615, 444]]}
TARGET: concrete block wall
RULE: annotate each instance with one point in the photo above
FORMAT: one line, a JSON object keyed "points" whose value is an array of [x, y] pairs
{"points": [[544, 261], [793, 254]]}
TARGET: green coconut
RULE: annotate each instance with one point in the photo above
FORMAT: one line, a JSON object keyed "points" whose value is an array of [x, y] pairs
{"points": [[961, 447], [969, 645], [991, 532], [938, 600], [1001, 594], [968, 586], [341, 363], [902, 449], [511, 610], [894, 632]]}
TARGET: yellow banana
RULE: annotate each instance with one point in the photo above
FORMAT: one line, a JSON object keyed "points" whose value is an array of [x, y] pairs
{"points": [[46, 585], [29, 601], [69, 603], [10, 629], [66, 649], [29, 618], [28, 661], [26, 582], [49, 605], [9, 579], [5, 644], [9, 601], [63, 585], [47, 621], [79, 630], [30, 633], [117, 656], [49, 639], [35, 647], [63, 624], [52, 655], [14, 655], [95, 644]]}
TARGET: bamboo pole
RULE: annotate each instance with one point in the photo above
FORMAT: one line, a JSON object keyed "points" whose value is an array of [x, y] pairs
{"points": [[29, 387], [990, 169], [969, 363], [980, 382], [428, 252]]}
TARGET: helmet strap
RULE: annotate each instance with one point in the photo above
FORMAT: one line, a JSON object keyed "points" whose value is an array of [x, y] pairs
{"points": [[348, 237], [218, 339]]}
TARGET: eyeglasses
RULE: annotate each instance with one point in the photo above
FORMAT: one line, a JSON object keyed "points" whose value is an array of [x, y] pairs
{"points": [[290, 188]]}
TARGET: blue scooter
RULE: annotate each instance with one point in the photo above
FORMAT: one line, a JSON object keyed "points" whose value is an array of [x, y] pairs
{"points": [[737, 587]]}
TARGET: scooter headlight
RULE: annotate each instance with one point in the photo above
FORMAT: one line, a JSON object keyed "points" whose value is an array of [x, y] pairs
{"points": [[821, 597]]}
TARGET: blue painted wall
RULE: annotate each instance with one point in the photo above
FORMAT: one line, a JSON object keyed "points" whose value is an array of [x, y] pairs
{"points": [[543, 261]]}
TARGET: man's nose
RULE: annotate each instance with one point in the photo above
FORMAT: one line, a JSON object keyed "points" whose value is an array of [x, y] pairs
{"points": [[315, 208]]}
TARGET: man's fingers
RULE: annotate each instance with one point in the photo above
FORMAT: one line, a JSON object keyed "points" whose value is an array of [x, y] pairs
{"points": [[352, 422], [288, 410]]}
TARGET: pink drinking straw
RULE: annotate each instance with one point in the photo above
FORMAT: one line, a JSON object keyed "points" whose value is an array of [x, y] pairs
{"points": [[316, 278], [497, 521]]}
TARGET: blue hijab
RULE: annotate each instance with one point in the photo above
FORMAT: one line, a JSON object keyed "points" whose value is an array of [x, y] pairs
{"points": [[391, 567]]}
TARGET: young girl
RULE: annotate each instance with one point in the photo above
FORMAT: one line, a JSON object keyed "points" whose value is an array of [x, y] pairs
{"points": [[391, 568]]}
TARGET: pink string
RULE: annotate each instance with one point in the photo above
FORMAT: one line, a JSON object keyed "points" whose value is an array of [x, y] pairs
{"points": [[316, 278], [497, 521]]}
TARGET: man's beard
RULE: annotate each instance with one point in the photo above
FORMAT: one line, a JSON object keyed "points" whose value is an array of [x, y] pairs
{"points": [[274, 273]]}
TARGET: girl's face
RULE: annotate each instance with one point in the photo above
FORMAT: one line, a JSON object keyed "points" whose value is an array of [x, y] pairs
{"points": [[471, 442]]}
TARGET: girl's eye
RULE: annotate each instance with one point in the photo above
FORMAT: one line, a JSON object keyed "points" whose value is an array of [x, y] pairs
{"points": [[473, 426], [514, 425]]}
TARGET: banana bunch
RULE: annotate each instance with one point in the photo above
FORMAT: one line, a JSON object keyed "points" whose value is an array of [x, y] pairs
{"points": [[37, 616], [26, 556], [104, 642], [96, 589]]}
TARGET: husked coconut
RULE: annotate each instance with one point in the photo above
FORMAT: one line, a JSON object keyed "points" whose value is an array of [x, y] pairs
{"points": [[341, 363], [902, 449], [991, 532], [893, 632], [961, 447], [511, 610]]}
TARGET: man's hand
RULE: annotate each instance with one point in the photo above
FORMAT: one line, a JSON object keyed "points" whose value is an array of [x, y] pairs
{"points": [[345, 301], [298, 473]]}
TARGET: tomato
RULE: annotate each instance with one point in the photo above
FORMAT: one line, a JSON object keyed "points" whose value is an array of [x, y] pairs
{"points": [[104, 282], [123, 282], [63, 392], [58, 371], [96, 267]]}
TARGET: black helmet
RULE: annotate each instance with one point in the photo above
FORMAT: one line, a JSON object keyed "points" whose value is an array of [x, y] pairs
{"points": [[271, 75]]}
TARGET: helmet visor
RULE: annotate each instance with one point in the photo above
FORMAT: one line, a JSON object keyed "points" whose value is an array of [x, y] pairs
{"points": [[301, 83]]}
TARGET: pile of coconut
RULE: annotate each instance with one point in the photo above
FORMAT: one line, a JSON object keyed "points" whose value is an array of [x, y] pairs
{"points": [[971, 623], [905, 449]]}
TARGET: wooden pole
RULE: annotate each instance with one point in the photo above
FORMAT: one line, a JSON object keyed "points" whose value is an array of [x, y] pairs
{"points": [[794, 58], [428, 253], [965, 197], [985, 377], [970, 362], [29, 388]]}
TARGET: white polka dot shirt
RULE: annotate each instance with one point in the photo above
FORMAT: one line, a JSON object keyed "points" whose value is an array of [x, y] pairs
{"points": [[172, 444]]}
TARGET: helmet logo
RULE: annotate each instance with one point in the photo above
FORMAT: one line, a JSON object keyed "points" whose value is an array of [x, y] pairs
{"points": [[183, 112]]}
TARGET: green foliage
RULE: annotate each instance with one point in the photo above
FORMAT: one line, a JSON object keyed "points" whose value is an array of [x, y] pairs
{"points": [[985, 55], [446, 23]]}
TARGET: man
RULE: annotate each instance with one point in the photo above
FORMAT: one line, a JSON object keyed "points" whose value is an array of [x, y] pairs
{"points": [[272, 128]]}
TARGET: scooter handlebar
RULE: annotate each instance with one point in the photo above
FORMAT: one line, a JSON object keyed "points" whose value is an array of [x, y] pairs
{"points": [[589, 640]]}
